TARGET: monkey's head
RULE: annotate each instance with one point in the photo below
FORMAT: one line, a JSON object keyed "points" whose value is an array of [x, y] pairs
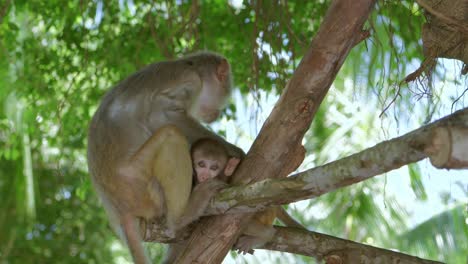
{"points": [[208, 167], [215, 73], [209, 159]]}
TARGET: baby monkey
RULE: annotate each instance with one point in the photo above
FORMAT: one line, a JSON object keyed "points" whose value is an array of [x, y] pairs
{"points": [[210, 160]]}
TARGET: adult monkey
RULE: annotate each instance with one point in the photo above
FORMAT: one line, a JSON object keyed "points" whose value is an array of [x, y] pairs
{"points": [[138, 144]]}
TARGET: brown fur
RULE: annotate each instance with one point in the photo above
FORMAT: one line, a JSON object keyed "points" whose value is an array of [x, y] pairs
{"points": [[139, 138]]}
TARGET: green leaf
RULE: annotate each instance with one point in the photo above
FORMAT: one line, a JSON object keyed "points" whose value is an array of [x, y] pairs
{"points": [[13, 26], [416, 182]]}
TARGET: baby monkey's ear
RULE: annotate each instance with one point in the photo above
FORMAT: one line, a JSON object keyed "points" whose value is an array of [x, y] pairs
{"points": [[231, 166]]}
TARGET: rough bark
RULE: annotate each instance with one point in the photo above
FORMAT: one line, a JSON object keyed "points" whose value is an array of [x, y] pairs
{"points": [[335, 250], [282, 133], [445, 35]]}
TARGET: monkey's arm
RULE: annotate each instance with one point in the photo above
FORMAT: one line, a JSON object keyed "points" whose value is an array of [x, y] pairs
{"points": [[195, 131], [199, 199]]}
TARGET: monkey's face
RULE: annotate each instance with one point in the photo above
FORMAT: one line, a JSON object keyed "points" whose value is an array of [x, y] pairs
{"points": [[210, 101], [216, 87], [206, 169]]}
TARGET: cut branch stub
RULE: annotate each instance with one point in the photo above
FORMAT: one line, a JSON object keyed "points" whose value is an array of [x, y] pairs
{"points": [[449, 148]]}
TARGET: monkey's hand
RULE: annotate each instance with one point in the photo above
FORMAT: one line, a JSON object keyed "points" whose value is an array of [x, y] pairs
{"points": [[199, 199], [231, 166]]}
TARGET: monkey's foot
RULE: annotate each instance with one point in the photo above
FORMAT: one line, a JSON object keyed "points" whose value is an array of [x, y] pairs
{"points": [[246, 244]]}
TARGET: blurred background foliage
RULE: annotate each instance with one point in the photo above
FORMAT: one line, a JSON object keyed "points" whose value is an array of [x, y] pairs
{"points": [[58, 58]]}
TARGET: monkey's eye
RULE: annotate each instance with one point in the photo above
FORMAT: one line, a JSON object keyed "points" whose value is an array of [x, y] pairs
{"points": [[201, 164], [214, 168]]}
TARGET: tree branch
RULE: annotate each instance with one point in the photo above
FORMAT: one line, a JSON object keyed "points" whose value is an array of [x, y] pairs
{"points": [[333, 249], [381, 158]]}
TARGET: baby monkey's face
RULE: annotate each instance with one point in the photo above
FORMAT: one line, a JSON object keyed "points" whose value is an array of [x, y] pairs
{"points": [[208, 167]]}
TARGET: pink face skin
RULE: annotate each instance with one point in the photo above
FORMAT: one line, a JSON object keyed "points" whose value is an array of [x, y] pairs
{"points": [[211, 99], [208, 114], [207, 169]]}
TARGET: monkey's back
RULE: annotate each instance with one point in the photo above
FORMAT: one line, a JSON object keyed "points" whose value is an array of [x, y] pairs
{"points": [[120, 127], [128, 115]]}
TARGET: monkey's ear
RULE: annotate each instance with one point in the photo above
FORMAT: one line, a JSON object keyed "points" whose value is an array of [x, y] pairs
{"points": [[231, 166], [223, 70]]}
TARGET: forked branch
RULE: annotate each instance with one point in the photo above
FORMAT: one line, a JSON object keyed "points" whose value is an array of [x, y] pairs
{"points": [[283, 131]]}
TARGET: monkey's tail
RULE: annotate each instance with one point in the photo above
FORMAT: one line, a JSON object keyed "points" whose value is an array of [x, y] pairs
{"points": [[133, 239], [284, 217], [126, 228]]}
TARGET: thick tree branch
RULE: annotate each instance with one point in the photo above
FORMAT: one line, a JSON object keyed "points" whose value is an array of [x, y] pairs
{"points": [[282, 133], [335, 250], [381, 158]]}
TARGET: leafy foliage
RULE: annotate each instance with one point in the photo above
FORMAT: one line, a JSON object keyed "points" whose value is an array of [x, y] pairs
{"points": [[58, 58], [446, 231]]}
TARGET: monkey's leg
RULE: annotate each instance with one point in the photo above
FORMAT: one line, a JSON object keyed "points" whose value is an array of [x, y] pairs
{"points": [[167, 153], [173, 170]]}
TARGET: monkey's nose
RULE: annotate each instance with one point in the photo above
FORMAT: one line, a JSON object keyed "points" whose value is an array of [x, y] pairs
{"points": [[212, 116], [203, 177]]}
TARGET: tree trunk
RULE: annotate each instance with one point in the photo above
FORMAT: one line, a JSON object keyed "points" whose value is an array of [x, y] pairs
{"points": [[282, 133]]}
